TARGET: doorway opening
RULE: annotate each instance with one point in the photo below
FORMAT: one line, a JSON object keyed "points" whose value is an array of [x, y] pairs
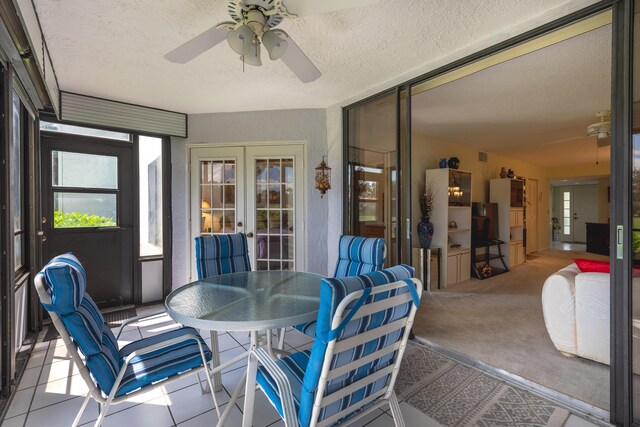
{"points": [[514, 130]]}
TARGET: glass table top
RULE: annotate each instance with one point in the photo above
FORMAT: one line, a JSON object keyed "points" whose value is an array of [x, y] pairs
{"points": [[247, 301]]}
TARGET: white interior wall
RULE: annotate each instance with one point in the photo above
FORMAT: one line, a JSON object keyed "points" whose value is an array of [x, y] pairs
{"points": [[427, 151], [309, 126]]}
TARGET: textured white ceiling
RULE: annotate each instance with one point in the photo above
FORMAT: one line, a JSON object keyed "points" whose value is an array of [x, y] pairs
{"points": [[114, 49], [535, 108]]}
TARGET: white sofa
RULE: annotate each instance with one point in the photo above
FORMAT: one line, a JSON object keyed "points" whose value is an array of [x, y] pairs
{"points": [[576, 312]]}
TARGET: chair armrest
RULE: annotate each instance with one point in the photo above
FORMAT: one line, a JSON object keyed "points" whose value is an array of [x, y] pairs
{"points": [[282, 382], [150, 349], [137, 319]]}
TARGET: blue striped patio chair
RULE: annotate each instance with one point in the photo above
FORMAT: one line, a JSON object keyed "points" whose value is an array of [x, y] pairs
{"points": [[112, 374], [363, 327], [356, 255], [221, 254], [215, 255], [359, 255]]}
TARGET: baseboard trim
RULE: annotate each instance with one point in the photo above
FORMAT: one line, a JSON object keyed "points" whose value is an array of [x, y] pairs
{"points": [[583, 409]]}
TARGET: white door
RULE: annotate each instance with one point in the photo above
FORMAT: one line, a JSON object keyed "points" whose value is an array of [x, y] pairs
{"points": [[254, 190], [275, 208], [532, 215], [585, 209], [565, 202]]}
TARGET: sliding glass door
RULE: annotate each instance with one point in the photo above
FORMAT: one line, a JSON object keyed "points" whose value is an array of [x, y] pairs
{"points": [[374, 172]]}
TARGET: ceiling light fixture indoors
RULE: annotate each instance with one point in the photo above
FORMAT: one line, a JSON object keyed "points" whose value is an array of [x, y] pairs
{"points": [[602, 129], [253, 25]]}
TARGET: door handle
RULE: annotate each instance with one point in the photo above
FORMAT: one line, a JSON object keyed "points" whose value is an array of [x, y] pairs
{"points": [[250, 234], [239, 224]]}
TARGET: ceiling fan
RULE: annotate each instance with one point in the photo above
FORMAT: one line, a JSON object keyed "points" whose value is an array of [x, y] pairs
{"points": [[602, 129], [253, 25]]}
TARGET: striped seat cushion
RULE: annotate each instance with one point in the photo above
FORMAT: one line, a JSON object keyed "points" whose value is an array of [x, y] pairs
{"points": [[65, 280], [66, 283], [163, 363], [221, 254], [356, 255], [293, 367], [96, 341], [303, 369], [359, 255], [332, 292]]}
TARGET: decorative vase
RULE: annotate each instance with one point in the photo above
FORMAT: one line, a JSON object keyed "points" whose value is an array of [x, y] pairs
{"points": [[443, 163], [503, 172], [425, 232], [454, 162], [511, 173]]}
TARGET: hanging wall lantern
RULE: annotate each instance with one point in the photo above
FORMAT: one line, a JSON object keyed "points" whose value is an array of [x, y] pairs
{"points": [[323, 177]]}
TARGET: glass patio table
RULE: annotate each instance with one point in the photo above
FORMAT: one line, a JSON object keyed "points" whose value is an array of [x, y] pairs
{"points": [[251, 301]]}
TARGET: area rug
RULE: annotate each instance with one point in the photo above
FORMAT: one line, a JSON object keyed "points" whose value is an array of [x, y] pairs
{"points": [[454, 394]]}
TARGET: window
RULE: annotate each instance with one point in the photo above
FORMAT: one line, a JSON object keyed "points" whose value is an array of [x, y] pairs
{"points": [[78, 130], [218, 196], [150, 181], [18, 211], [566, 212], [85, 190]]}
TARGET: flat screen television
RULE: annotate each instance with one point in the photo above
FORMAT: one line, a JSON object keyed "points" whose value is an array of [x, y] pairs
{"points": [[484, 223]]}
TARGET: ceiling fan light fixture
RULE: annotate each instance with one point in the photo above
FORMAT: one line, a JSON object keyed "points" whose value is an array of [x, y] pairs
{"points": [[240, 39], [276, 45], [253, 56]]}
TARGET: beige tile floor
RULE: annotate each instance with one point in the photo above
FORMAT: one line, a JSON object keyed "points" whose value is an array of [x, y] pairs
{"points": [[51, 391]]}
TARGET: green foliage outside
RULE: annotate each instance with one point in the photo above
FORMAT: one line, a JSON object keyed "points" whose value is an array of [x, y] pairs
{"points": [[79, 219]]}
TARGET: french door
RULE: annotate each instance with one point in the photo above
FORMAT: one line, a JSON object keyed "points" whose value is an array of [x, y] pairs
{"points": [[256, 190]]}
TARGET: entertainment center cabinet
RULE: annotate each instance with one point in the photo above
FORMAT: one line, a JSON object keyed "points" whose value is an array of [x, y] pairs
{"points": [[509, 195]]}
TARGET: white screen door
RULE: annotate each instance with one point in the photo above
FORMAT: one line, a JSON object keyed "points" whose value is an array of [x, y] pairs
{"points": [[256, 190]]}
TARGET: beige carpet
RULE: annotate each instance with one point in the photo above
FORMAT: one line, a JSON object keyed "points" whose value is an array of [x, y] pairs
{"points": [[499, 321]]}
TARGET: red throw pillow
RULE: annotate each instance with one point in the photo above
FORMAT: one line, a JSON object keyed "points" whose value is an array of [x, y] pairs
{"points": [[591, 266]]}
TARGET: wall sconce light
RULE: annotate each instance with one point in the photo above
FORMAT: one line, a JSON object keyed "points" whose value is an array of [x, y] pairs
{"points": [[323, 177]]}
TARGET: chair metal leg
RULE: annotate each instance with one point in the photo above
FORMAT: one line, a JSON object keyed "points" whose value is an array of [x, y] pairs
{"points": [[203, 388], [215, 360], [82, 408], [281, 338], [103, 413], [250, 390], [395, 410], [208, 375]]}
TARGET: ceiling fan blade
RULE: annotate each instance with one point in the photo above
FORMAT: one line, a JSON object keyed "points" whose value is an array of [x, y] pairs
{"points": [[298, 62], [315, 7], [197, 45]]}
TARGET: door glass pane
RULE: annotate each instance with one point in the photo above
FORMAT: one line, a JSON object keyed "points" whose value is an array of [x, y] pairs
{"points": [[275, 234], [17, 251], [150, 181], [73, 210], [16, 164], [635, 212], [218, 197], [371, 172], [82, 170], [566, 212]]}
